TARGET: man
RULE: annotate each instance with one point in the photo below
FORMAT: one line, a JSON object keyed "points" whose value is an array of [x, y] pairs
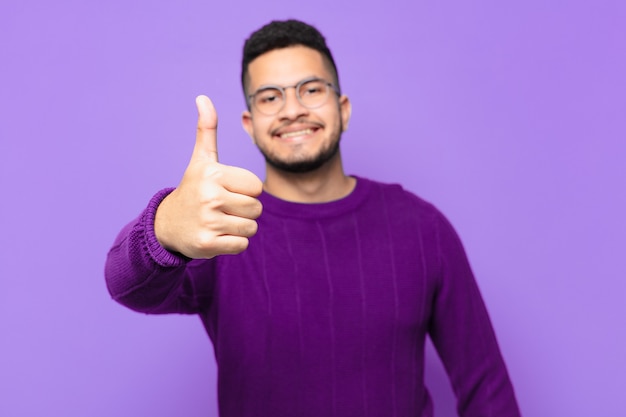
{"points": [[325, 306]]}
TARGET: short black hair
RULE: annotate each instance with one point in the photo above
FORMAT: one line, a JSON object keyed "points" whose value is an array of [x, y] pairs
{"points": [[282, 34]]}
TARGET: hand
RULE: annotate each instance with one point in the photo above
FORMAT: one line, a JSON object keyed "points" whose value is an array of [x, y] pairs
{"points": [[213, 210]]}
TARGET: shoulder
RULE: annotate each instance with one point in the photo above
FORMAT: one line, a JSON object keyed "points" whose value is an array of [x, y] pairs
{"points": [[396, 197], [407, 209]]}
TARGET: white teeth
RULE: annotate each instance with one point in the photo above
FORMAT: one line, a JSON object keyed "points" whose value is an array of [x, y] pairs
{"points": [[296, 133]]}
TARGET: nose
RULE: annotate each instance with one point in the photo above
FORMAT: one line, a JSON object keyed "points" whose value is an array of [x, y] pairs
{"points": [[292, 109]]}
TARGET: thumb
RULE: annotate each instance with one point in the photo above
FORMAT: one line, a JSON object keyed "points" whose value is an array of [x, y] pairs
{"points": [[206, 134]]}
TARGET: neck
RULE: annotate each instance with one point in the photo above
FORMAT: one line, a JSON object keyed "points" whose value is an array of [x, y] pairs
{"points": [[327, 183]]}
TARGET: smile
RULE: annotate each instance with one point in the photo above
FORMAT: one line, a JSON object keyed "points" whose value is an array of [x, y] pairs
{"points": [[296, 133]]}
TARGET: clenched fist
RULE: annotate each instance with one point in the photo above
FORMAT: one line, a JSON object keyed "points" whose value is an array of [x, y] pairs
{"points": [[213, 210]]}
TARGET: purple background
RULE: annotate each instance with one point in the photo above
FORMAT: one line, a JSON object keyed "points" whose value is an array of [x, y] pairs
{"points": [[510, 117]]}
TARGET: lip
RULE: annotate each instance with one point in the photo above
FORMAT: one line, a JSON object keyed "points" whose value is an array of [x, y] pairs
{"points": [[296, 135], [295, 132]]}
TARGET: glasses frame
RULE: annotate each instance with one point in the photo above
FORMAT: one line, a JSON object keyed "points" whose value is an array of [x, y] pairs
{"points": [[283, 91]]}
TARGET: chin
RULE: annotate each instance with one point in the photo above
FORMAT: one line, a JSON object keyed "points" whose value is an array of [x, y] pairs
{"points": [[302, 166]]}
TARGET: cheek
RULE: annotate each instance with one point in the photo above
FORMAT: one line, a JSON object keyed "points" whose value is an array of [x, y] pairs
{"points": [[331, 116], [260, 128], [338, 121]]}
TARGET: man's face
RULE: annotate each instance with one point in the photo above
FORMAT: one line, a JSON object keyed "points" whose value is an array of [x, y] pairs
{"points": [[296, 139]]}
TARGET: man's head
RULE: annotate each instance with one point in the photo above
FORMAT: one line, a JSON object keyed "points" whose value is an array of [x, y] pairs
{"points": [[282, 34], [296, 123]]}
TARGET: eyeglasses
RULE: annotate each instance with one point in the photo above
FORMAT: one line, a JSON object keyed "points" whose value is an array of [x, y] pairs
{"points": [[310, 92]]}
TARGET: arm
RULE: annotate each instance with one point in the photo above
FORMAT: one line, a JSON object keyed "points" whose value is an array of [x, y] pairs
{"points": [[212, 212], [145, 277], [464, 338]]}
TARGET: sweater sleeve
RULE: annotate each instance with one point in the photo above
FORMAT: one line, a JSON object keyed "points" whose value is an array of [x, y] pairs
{"points": [[144, 276], [464, 337]]}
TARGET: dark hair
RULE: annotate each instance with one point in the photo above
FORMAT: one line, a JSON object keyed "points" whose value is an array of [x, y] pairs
{"points": [[282, 34]]}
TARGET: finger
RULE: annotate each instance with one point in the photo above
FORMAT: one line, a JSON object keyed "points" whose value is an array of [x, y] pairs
{"points": [[220, 245], [238, 226], [206, 134], [241, 206], [241, 181], [232, 245]]}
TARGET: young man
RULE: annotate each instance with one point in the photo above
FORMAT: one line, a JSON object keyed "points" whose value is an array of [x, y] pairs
{"points": [[325, 306]]}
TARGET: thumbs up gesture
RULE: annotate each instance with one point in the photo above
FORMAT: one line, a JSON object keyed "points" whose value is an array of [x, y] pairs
{"points": [[213, 210]]}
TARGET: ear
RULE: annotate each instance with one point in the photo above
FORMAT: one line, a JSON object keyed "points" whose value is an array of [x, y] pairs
{"points": [[345, 109], [246, 123]]}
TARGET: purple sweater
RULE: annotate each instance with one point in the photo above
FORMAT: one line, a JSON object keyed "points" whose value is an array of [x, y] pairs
{"points": [[327, 311]]}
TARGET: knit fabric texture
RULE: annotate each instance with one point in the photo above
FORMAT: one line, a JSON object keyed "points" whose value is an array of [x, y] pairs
{"points": [[327, 312]]}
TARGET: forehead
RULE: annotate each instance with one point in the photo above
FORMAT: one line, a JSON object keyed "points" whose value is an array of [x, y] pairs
{"points": [[287, 66]]}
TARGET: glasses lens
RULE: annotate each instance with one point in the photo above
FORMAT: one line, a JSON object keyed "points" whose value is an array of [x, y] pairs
{"points": [[269, 100], [313, 93]]}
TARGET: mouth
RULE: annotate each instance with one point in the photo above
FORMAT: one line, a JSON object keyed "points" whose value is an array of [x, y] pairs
{"points": [[293, 132], [296, 133]]}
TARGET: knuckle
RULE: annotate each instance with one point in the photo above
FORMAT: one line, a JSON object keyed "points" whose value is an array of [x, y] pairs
{"points": [[212, 196], [236, 247], [247, 228], [257, 210], [205, 240], [241, 246], [256, 185], [252, 228], [253, 209]]}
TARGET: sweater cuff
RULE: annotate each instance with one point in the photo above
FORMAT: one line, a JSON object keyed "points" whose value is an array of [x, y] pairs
{"points": [[158, 253]]}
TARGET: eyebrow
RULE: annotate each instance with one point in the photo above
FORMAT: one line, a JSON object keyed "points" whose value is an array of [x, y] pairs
{"points": [[309, 78]]}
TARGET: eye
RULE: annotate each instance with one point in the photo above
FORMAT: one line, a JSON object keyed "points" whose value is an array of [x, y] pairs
{"points": [[312, 88], [268, 96]]}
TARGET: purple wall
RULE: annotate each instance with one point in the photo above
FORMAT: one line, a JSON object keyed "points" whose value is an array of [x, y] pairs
{"points": [[509, 117]]}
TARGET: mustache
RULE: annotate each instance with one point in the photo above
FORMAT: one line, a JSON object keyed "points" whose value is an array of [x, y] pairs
{"points": [[288, 123]]}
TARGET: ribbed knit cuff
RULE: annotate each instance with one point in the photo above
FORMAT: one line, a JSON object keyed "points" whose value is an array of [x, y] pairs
{"points": [[158, 253]]}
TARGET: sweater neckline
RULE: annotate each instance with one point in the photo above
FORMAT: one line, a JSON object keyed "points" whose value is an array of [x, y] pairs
{"points": [[277, 206]]}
